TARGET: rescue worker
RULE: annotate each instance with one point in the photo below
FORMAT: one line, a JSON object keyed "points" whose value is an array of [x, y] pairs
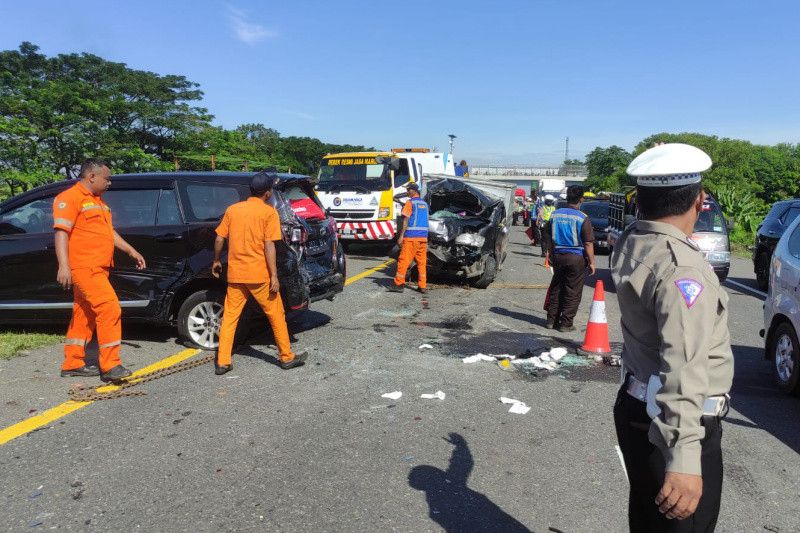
{"points": [[542, 218], [251, 228], [413, 241], [676, 351], [85, 240], [518, 209], [571, 250]]}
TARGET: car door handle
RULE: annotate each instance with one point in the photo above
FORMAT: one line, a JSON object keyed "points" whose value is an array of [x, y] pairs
{"points": [[169, 237]]}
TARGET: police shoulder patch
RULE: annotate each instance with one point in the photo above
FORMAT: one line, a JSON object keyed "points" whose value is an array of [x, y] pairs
{"points": [[62, 205], [690, 290]]}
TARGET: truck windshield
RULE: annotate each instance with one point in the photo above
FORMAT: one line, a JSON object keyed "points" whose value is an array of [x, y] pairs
{"points": [[336, 175]]}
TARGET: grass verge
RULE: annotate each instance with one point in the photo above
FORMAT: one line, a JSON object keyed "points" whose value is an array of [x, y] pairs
{"points": [[11, 342]]}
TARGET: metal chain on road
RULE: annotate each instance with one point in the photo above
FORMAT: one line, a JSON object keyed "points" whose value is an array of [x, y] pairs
{"points": [[81, 393]]}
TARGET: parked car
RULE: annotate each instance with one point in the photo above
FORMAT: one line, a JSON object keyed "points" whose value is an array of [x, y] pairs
{"points": [[597, 210], [769, 231], [170, 218], [782, 310]]}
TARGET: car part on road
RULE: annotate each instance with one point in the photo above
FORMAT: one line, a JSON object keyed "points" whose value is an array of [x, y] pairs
{"points": [[786, 358], [81, 393]]}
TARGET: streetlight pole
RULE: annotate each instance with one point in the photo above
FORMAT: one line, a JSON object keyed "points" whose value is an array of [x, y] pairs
{"points": [[452, 142]]}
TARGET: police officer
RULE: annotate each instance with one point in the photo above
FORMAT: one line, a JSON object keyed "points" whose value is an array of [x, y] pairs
{"points": [[676, 349], [571, 250], [85, 240], [413, 241]]}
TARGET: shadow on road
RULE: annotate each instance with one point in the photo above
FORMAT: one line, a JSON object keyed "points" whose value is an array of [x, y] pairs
{"points": [[755, 395], [747, 282], [452, 504], [601, 274], [378, 251], [516, 315]]}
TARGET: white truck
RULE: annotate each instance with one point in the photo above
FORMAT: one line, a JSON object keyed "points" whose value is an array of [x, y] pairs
{"points": [[358, 189]]}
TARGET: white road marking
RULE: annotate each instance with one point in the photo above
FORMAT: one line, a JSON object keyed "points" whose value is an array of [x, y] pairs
{"points": [[622, 461], [745, 287]]}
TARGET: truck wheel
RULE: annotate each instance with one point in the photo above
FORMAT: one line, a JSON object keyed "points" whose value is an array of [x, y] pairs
{"points": [[489, 272], [785, 353], [762, 270], [200, 318]]}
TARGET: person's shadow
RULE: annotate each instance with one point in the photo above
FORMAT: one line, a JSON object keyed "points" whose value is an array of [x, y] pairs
{"points": [[453, 505]]}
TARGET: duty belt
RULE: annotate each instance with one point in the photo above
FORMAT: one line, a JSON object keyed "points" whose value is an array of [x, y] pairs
{"points": [[713, 406]]}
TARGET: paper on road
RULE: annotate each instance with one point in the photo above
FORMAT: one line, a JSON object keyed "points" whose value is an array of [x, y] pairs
{"points": [[478, 357], [439, 394], [396, 395], [517, 407]]}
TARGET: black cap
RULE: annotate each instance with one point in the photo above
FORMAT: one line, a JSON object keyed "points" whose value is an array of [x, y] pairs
{"points": [[412, 187], [261, 183]]}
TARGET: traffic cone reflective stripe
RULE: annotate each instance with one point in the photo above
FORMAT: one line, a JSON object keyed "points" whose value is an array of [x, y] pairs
{"points": [[596, 339]]}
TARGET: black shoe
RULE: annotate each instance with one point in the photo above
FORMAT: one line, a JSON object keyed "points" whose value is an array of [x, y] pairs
{"points": [[299, 360], [118, 373], [222, 369], [551, 324], [395, 288], [86, 371], [422, 290], [566, 329]]}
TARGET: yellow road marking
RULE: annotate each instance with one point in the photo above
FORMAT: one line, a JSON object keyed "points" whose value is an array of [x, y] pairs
{"points": [[367, 272], [51, 415], [47, 417]]}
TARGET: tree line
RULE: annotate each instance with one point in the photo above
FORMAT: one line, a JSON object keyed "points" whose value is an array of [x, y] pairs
{"points": [[56, 111], [746, 178]]}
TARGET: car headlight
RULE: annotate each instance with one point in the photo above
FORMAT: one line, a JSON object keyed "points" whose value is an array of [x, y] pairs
{"points": [[383, 212], [470, 239]]}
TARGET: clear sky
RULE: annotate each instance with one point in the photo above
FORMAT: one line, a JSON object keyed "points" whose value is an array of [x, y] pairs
{"points": [[511, 78]]}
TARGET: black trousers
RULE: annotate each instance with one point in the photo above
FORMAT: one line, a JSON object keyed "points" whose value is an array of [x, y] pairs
{"points": [[566, 288], [646, 469]]}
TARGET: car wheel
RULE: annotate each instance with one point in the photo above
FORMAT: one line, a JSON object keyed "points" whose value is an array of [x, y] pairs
{"points": [[762, 270], [785, 352], [200, 318], [489, 272]]}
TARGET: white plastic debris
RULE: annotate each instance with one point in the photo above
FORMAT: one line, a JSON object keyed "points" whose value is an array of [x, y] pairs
{"points": [[517, 407], [557, 353], [439, 394], [396, 395], [551, 365], [426, 347], [598, 358], [544, 357], [478, 357]]}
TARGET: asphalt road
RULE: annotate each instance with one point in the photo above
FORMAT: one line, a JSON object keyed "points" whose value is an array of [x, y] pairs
{"points": [[318, 449]]}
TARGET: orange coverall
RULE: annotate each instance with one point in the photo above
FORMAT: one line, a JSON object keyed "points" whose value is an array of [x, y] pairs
{"points": [[413, 249], [87, 221], [247, 226]]}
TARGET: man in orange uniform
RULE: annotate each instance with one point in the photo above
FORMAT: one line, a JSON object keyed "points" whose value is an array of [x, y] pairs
{"points": [[85, 241], [252, 227], [413, 241]]}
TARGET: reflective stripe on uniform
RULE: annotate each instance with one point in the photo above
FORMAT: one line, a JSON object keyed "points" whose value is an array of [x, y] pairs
{"points": [[62, 222], [75, 342], [89, 207], [110, 344]]}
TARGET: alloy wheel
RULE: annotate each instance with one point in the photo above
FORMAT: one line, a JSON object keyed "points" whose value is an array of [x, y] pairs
{"points": [[784, 362], [205, 320]]}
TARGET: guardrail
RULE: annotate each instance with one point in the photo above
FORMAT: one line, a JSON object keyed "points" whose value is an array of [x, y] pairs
{"points": [[528, 170]]}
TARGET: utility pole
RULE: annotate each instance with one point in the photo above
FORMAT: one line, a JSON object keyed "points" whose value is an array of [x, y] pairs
{"points": [[566, 151]]}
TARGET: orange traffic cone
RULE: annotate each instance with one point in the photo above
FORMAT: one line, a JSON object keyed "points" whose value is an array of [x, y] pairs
{"points": [[596, 340]]}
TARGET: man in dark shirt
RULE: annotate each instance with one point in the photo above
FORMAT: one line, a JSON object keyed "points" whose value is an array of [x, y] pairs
{"points": [[570, 250]]}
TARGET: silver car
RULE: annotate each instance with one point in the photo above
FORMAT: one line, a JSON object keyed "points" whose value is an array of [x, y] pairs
{"points": [[782, 310]]}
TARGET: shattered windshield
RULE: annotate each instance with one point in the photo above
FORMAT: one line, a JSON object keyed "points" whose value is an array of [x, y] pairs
{"points": [[359, 174]]}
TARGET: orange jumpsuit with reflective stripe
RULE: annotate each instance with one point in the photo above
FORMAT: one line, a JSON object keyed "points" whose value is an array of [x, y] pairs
{"points": [[87, 221], [412, 249], [247, 226]]}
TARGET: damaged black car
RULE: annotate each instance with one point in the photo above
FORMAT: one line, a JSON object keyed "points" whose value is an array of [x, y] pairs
{"points": [[467, 229]]}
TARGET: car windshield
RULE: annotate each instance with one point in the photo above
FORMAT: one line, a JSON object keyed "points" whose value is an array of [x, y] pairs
{"points": [[710, 220], [364, 176], [595, 209]]}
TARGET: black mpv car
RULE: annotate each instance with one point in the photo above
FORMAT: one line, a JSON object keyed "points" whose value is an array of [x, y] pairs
{"points": [[769, 233], [170, 219]]}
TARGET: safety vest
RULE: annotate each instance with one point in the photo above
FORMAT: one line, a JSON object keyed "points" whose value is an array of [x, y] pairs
{"points": [[418, 221], [566, 224], [547, 212]]}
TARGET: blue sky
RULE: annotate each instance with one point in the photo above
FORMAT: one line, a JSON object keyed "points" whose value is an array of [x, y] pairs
{"points": [[510, 78]]}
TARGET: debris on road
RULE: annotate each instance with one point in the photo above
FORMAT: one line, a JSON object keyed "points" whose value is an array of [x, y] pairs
{"points": [[478, 357], [396, 395], [426, 347], [35, 494], [517, 407], [438, 394]]}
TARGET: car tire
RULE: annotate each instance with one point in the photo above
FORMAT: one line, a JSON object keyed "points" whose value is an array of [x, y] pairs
{"points": [[784, 350], [762, 270], [199, 319], [489, 272]]}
